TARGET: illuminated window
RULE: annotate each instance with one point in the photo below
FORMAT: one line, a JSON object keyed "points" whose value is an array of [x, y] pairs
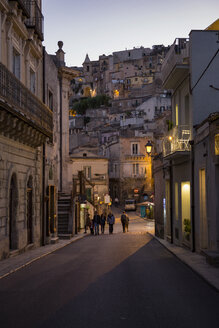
{"points": [[216, 140], [177, 115], [176, 202]]}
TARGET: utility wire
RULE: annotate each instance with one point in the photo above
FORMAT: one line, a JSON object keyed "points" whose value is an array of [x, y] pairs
{"points": [[205, 69]]}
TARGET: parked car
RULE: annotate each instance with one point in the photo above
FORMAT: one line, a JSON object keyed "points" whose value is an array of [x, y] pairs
{"points": [[130, 205]]}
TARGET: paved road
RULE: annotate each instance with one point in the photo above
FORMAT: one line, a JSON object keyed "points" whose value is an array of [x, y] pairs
{"points": [[109, 281]]}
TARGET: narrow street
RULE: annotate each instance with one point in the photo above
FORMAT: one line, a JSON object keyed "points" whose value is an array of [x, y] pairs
{"points": [[119, 280]]}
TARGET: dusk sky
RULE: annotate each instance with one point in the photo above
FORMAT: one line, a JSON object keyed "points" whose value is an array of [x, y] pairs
{"points": [[101, 27]]}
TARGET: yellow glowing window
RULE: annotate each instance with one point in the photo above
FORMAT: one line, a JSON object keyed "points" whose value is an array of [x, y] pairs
{"points": [[177, 115], [176, 201], [216, 142]]}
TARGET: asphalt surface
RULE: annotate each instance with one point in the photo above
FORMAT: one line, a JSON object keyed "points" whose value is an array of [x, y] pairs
{"points": [[119, 280]]}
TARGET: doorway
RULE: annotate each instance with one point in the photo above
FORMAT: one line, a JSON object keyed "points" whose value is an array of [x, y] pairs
{"points": [[13, 202], [29, 211], [202, 208]]}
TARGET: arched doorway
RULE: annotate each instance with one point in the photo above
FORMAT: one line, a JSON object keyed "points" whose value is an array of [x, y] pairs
{"points": [[29, 211], [13, 201]]}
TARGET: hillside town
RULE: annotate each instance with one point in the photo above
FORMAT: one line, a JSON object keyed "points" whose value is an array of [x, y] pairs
{"points": [[129, 140], [139, 124]]}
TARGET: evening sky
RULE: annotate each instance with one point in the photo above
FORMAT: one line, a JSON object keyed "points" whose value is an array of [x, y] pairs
{"points": [[101, 27]]}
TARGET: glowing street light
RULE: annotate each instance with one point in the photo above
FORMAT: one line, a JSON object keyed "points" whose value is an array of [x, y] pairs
{"points": [[148, 147]]}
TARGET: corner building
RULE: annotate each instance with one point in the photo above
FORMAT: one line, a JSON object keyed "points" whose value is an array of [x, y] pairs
{"points": [[25, 125]]}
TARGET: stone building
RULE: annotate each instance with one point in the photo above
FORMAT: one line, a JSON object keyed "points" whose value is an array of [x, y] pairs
{"points": [[206, 187], [130, 170], [91, 181], [190, 70], [25, 125]]}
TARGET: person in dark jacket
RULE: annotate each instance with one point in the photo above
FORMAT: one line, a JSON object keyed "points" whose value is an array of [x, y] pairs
{"points": [[110, 221], [96, 220], [102, 222], [123, 220]]}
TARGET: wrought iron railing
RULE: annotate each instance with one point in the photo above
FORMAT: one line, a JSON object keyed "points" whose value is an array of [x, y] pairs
{"points": [[25, 102], [177, 140], [36, 18], [177, 55], [25, 6]]}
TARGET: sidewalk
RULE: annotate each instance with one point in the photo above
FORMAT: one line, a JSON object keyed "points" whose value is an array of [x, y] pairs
{"points": [[195, 261], [18, 262]]}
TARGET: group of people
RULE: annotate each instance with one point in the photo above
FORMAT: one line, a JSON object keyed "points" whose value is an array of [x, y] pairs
{"points": [[99, 221]]}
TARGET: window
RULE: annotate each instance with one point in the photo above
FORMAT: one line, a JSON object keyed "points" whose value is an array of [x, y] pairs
{"points": [[87, 172], [177, 115], [134, 149], [16, 64], [216, 138], [176, 201], [135, 169], [88, 68], [32, 81], [50, 100]]}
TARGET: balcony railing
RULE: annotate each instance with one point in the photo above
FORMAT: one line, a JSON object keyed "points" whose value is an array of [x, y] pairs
{"points": [[24, 103], [25, 6], [177, 140], [177, 55], [36, 19]]}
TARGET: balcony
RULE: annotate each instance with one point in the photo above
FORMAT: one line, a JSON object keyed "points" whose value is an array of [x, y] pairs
{"points": [[22, 110], [176, 63], [177, 141], [36, 19], [25, 6]]}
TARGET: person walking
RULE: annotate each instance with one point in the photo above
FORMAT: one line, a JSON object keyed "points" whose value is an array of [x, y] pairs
{"points": [[123, 220], [110, 221], [87, 223], [127, 223], [96, 220], [102, 222]]}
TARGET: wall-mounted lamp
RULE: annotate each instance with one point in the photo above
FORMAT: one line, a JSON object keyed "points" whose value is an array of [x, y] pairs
{"points": [[148, 147]]}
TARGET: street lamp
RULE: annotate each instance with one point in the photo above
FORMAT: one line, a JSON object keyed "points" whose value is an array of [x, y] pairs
{"points": [[148, 147]]}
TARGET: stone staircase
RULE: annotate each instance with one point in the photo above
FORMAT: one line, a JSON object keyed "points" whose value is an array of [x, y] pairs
{"points": [[64, 210]]}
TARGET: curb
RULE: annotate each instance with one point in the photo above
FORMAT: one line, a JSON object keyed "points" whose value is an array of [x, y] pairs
{"points": [[209, 282], [40, 257]]}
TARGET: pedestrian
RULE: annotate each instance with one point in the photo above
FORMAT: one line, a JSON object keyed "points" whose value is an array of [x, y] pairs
{"points": [[123, 220], [116, 201], [127, 223], [96, 220], [87, 223], [110, 221], [92, 227], [102, 222]]}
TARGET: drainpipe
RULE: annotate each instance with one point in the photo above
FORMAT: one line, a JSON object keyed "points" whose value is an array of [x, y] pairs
{"points": [[60, 94], [171, 201], [191, 142], [43, 164]]}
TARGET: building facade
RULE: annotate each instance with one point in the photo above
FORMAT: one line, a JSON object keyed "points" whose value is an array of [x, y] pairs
{"points": [[25, 125]]}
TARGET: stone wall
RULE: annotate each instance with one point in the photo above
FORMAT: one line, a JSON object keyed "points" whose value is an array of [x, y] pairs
{"points": [[23, 163]]}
